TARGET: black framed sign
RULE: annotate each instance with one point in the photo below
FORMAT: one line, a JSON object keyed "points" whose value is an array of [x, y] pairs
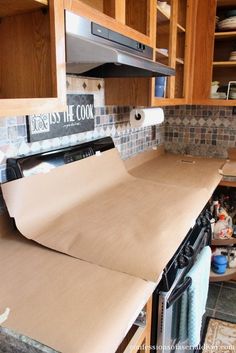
{"points": [[78, 118]]}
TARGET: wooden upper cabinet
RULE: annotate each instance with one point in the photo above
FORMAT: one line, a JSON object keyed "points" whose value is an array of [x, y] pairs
{"points": [[212, 54], [171, 33], [134, 19], [32, 61], [173, 48], [224, 58], [203, 49], [131, 18]]}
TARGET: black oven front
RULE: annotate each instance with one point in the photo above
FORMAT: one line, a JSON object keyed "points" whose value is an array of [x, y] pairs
{"points": [[166, 313]]}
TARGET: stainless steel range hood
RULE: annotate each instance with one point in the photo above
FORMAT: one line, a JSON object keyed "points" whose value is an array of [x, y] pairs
{"points": [[95, 51]]}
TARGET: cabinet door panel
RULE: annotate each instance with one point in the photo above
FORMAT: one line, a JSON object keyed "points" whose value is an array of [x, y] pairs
{"points": [[26, 56], [32, 61], [204, 45]]}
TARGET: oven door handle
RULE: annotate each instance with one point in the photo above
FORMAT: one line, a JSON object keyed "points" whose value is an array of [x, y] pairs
{"points": [[179, 292]]}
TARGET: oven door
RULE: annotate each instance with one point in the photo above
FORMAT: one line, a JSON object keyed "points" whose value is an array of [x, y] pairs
{"points": [[169, 317], [166, 310]]}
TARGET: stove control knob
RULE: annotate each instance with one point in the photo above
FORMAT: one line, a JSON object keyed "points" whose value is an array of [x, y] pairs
{"points": [[204, 221], [188, 251], [183, 261], [199, 221]]}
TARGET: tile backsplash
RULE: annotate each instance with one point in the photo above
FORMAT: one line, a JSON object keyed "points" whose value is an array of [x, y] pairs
{"points": [[197, 130], [200, 130], [191, 129], [109, 121]]}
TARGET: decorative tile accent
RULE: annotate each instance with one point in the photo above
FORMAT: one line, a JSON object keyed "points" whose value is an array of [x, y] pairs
{"points": [[84, 85]]}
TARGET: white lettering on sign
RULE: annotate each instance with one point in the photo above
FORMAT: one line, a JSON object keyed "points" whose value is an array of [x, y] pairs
{"points": [[55, 118], [39, 124], [69, 117], [84, 112], [79, 117]]}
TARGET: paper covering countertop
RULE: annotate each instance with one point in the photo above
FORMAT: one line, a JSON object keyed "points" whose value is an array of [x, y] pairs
{"points": [[65, 303], [177, 170], [94, 210], [229, 169]]}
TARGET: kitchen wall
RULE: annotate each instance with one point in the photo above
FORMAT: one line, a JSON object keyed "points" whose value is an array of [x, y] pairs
{"points": [[197, 130], [200, 130], [109, 121]]}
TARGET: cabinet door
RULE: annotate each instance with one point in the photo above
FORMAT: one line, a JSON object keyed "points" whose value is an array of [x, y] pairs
{"points": [[172, 47], [172, 33], [224, 59], [213, 58], [203, 39], [32, 61]]}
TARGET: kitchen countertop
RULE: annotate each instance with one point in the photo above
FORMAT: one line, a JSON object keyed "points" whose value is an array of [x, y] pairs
{"points": [[176, 170], [11, 341], [229, 169], [52, 295], [125, 218], [95, 328]]}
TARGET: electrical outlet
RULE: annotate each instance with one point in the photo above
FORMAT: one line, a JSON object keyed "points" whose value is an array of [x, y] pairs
{"points": [[234, 111]]}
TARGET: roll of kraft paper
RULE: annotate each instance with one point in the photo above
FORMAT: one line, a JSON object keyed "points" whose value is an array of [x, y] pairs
{"points": [[146, 117]]}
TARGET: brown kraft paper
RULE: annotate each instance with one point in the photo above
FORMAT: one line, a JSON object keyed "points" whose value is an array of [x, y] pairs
{"points": [[94, 210], [229, 169], [65, 303], [176, 170]]}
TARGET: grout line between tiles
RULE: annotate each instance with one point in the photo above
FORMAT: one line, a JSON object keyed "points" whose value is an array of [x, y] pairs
{"points": [[225, 313], [214, 313], [217, 299]]}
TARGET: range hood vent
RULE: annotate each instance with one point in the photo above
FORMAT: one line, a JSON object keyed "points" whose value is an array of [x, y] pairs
{"points": [[95, 51]]}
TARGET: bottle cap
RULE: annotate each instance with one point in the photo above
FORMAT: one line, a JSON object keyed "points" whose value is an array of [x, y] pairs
{"points": [[222, 217]]}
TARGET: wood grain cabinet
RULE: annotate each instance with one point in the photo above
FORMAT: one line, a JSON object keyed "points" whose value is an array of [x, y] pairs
{"points": [[212, 49], [138, 337], [173, 48], [131, 18], [32, 61], [170, 35], [223, 67]]}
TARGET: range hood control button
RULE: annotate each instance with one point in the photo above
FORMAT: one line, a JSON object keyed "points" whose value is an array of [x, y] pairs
{"points": [[99, 31]]}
